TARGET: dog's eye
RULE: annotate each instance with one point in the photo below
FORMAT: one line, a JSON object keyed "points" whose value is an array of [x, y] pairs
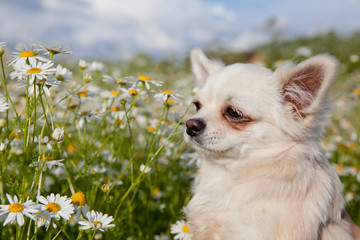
{"points": [[197, 105], [233, 113]]}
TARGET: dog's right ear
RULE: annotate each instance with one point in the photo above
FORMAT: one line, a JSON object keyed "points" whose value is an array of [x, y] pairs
{"points": [[202, 67]]}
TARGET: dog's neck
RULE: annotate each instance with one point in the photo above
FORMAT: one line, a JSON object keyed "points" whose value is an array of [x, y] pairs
{"points": [[266, 155], [257, 164]]}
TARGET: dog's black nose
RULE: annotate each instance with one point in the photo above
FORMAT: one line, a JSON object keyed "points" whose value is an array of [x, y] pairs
{"points": [[194, 126]]}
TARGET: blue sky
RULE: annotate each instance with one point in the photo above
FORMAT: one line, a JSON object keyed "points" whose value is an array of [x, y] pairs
{"points": [[121, 28]]}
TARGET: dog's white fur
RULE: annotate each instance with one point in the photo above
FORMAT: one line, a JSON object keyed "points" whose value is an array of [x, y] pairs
{"points": [[264, 177]]}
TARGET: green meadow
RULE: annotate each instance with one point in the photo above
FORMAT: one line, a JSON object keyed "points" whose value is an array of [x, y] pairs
{"points": [[94, 149]]}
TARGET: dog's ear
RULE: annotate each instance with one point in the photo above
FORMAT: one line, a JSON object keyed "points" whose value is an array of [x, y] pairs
{"points": [[201, 66], [305, 87]]}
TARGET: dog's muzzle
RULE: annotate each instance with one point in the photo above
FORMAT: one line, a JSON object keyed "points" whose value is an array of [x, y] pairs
{"points": [[195, 126]]}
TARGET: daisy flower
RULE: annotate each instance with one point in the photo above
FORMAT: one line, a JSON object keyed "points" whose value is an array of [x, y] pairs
{"points": [[53, 49], [145, 169], [2, 147], [83, 64], [58, 134], [97, 170], [26, 54], [44, 141], [3, 104], [44, 221], [17, 210], [181, 230], [87, 93], [85, 116], [96, 67], [47, 162], [117, 80], [2, 48], [79, 202], [55, 206], [63, 74], [116, 112], [147, 81], [38, 70], [165, 95], [131, 92], [96, 221]]}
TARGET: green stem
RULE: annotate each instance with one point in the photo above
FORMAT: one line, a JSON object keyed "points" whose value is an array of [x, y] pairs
{"points": [[61, 230], [27, 122], [34, 109], [3, 82], [156, 132]]}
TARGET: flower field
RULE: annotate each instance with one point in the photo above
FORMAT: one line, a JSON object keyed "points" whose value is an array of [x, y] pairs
{"points": [[95, 150]]}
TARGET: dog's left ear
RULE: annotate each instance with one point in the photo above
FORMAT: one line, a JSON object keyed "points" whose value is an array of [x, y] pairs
{"points": [[202, 67], [305, 87]]}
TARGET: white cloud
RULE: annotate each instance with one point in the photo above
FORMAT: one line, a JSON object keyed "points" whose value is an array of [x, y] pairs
{"points": [[153, 26], [248, 40], [113, 27]]}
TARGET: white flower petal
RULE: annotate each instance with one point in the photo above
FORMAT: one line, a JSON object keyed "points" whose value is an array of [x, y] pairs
{"points": [[42, 200], [20, 219]]}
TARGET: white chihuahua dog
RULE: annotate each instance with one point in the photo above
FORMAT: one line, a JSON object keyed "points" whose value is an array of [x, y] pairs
{"points": [[263, 173]]}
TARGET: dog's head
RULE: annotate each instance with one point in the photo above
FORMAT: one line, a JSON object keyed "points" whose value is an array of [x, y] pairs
{"points": [[242, 108]]}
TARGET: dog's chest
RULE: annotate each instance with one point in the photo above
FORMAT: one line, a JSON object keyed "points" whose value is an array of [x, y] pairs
{"points": [[226, 205]]}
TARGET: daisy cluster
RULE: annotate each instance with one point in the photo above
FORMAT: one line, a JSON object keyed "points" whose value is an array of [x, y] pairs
{"points": [[73, 209], [79, 125]]}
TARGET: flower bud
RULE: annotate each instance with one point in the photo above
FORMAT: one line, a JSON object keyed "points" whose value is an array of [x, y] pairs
{"points": [[58, 135]]}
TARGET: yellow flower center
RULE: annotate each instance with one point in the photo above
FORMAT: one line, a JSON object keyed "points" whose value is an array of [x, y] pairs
{"points": [[339, 167], [356, 167], [118, 80], [169, 102], [150, 128], [356, 91], [82, 94], [96, 223], [47, 159], [16, 207], [185, 228], [13, 134], [156, 191], [71, 148], [53, 207], [138, 155], [84, 113], [115, 109], [78, 199], [167, 92], [144, 78], [72, 105], [133, 92], [27, 54], [119, 121], [114, 93], [34, 70]]}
